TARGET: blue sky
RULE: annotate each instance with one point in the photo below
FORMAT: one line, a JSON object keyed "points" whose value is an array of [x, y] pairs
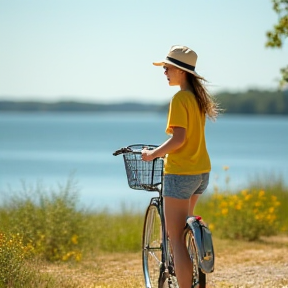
{"points": [[102, 51]]}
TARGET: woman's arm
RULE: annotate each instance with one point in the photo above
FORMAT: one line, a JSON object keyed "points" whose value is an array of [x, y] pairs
{"points": [[172, 144]]}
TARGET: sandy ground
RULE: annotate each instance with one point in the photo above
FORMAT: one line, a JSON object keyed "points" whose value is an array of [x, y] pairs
{"points": [[238, 264]]}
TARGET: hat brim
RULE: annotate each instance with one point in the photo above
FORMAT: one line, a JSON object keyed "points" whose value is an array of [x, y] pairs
{"points": [[162, 63]]}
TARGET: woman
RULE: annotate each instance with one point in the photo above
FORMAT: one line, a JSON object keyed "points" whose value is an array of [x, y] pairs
{"points": [[187, 163]]}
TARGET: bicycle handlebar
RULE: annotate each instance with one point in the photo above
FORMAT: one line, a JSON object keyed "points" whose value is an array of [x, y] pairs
{"points": [[122, 151], [135, 149]]}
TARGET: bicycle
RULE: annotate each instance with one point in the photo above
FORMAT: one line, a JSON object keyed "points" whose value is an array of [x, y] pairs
{"points": [[157, 255]]}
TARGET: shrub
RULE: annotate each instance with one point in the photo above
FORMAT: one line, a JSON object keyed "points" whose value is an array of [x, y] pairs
{"points": [[276, 187], [246, 215], [13, 253], [51, 221]]}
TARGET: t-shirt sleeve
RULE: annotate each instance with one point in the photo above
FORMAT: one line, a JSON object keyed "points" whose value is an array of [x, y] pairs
{"points": [[177, 116]]}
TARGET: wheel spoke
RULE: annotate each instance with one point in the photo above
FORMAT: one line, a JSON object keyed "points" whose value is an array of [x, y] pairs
{"points": [[152, 247]]}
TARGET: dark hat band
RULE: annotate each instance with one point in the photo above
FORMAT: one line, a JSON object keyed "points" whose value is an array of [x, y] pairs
{"points": [[182, 64]]}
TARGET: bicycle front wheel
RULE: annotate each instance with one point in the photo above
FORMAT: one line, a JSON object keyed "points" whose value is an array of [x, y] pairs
{"points": [[198, 276], [152, 247]]}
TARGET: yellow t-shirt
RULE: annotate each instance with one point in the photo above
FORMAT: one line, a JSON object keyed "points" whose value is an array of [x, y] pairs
{"points": [[192, 157]]}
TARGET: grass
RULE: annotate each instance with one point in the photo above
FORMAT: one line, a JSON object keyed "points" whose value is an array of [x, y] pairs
{"points": [[120, 232], [50, 221], [41, 230], [258, 210]]}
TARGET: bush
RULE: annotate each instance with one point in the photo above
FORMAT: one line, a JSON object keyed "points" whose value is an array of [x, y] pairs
{"points": [[245, 215], [50, 221], [260, 210], [275, 186], [13, 252], [61, 231]]}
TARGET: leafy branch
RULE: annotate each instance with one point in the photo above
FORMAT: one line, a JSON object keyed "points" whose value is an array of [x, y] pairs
{"points": [[276, 37]]}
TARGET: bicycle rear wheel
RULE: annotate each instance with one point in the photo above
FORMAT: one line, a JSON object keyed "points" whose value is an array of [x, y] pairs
{"points": [[152, 247], [198, 276]]}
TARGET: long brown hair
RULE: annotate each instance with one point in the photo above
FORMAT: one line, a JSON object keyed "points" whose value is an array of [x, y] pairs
{"points": [[206, 102]]}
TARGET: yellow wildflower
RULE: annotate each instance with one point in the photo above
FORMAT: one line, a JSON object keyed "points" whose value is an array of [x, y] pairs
{"points": [[224, 211], [238, 206], [74, 239], [258, 216], [271, 209], [223, 204], [244, 192], [261, 193], [247, 197], [78, 257], [211, 226]]}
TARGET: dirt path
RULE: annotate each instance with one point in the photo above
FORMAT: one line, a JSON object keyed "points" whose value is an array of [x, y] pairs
{"points": [[238, 264], [252, 268]]}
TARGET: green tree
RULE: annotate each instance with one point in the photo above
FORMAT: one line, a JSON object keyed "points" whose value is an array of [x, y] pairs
{"points": [[279, 32]]}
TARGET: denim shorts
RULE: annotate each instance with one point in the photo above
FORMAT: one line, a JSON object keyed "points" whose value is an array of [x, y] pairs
{"points": [[184, 186]]}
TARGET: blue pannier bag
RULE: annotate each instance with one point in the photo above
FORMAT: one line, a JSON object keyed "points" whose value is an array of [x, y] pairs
{"points": [[203, 242]]}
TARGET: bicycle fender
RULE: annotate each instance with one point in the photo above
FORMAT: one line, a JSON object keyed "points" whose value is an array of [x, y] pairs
{"points": [[204, 244]]}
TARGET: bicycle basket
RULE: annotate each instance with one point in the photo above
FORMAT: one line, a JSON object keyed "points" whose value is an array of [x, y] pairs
{"points": [[143, 175]]}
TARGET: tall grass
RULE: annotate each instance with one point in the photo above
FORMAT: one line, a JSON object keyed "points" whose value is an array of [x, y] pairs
{"points": [[12, 258], [19, 269], [275, 186], [121, 232], [60, 230], [50, 225], [259, 210], [50, 221]]}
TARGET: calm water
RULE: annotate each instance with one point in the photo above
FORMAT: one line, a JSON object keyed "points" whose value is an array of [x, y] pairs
{"points": [[47, 148]]}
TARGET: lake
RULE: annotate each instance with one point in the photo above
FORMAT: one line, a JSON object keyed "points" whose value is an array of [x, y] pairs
{"points": [[48, 147]]}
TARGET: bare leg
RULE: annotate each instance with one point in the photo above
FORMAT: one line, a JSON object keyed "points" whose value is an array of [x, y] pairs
{"points": [[176, 211], [193, 199]]}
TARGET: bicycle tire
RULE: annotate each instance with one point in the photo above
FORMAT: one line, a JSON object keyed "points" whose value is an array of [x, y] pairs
{"points": [[152, 249], [198, 276]]}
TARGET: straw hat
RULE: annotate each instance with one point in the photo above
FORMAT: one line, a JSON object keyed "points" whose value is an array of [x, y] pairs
{"points": [[181, 57]]}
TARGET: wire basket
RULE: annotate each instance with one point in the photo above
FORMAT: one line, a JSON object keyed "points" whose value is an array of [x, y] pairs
{"points": [[143, 175]]}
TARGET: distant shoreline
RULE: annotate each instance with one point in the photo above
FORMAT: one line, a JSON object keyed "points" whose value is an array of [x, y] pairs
{"points": [[73, 106], [250, 102]]}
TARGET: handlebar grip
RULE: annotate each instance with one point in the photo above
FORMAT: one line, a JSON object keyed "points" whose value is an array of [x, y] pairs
{"points": [[122, 151]]}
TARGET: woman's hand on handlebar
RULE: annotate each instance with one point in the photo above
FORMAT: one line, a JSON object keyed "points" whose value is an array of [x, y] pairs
{"points": [[148, 155]]}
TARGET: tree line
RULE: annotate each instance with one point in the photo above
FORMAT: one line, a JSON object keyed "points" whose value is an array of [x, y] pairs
{"points": [[255, 102], [249, 102]]}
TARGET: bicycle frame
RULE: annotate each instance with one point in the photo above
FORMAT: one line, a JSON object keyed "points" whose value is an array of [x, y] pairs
{"points": [[164, 270]]}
